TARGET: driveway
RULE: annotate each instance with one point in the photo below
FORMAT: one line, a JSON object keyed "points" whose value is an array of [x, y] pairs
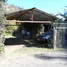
{"points": [[35, 59]]}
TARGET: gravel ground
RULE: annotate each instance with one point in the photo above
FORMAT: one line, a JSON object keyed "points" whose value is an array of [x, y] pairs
{"points": [[42, 59]]}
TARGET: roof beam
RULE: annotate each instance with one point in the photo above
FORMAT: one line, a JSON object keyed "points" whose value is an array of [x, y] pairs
{"points": [[30, 21]]}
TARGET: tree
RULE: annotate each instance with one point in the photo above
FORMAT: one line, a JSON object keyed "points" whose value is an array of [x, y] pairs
{"points": [[2, 26], [64, 15]]}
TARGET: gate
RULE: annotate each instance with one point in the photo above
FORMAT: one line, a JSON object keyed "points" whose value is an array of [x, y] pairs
{"points": [[61, 35]]}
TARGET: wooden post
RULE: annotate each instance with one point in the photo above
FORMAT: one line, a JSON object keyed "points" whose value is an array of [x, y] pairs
{"points": [[32, 16]]}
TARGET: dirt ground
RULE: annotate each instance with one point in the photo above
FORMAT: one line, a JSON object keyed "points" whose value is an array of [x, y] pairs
{"points": [[20, 56]]}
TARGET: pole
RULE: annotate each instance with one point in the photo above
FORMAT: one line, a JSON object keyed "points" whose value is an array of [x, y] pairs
{"points": [[55, 38]]}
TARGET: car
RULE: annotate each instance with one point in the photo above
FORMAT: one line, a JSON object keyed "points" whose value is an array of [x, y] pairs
{"points": [[45, 37]]}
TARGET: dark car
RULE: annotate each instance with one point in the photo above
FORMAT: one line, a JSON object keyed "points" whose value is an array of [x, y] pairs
{"points": [[45, 37]]}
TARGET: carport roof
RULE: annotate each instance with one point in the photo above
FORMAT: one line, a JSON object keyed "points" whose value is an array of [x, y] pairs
{"points": [[28, 14]]}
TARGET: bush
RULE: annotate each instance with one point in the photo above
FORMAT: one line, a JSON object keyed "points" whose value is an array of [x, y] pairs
{"points": [[2, 48], [11, 27]]}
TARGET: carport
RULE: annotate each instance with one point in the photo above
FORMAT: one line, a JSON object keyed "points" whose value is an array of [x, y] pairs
{"points": [[32, 16]]}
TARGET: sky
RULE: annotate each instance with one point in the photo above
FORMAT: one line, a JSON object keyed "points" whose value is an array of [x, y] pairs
{"points": [[50, 6]]}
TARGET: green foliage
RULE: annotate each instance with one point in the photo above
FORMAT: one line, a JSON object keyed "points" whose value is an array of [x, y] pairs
{"points": [[2, 26], [2, 48], [11, 28]]}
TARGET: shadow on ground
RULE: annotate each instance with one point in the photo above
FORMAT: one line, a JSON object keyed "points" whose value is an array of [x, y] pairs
{"points": [[26, 42], [47, 57]]}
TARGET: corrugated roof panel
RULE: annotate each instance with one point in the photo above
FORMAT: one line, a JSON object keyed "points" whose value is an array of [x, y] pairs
{"points": [[27, 14]]}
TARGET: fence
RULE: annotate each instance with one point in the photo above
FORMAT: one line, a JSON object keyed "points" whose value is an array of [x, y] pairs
{"points": [[61, 35]]}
